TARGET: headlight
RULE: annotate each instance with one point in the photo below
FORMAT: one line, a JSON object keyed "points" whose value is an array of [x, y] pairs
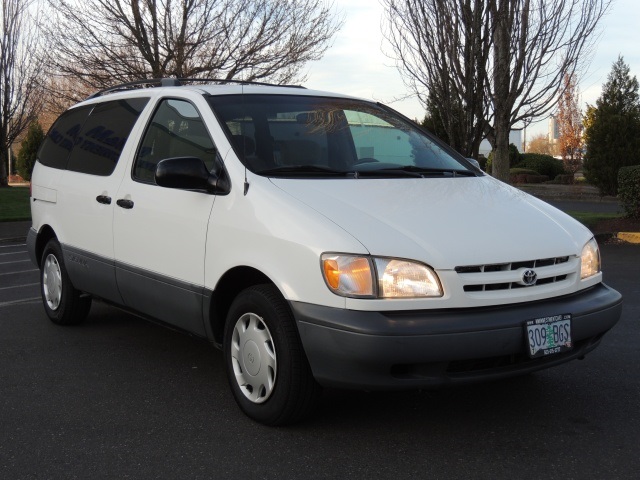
{"points": [[402, 278], [590, 260], [360, 276]]}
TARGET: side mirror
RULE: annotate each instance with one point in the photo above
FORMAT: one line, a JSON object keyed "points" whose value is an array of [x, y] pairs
{"points": [[474, 162], [189, 173]]}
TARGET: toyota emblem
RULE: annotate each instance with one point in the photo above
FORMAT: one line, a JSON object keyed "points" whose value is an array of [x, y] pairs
{"points": [[529, 278]]}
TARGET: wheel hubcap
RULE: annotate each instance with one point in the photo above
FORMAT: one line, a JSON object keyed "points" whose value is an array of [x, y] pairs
{"points": [[253, 357], [52, 282]]}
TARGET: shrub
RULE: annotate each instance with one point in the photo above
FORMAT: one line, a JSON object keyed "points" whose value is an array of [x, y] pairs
{"points": [[29, 150], [514, 155], [564, 179], [515, 178], [629, 190], [519, 171], [541, 163], [514, 158], [482, 160]]}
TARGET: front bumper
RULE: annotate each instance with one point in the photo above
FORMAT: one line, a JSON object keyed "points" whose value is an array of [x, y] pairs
{"points": [[429, 348]]}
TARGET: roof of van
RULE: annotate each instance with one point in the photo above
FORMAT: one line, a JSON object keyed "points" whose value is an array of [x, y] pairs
{"points": [[209, 87]]}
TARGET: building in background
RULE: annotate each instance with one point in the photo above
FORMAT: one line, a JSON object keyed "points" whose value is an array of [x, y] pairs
{"points": [[515, 137], [553, 131]]}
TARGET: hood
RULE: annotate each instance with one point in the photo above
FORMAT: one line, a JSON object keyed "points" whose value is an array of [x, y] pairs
{"points": [[444, 222]]}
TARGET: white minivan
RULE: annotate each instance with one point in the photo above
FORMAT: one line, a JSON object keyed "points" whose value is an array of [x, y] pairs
{"points": [[317, 239]]}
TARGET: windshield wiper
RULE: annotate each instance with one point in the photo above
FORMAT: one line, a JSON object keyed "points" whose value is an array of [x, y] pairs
{"points": [[420, 172], [389, 172], [303, 170]]}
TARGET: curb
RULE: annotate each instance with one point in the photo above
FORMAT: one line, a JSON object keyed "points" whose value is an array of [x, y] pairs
{"points": [[626, 237], [629, 237]]}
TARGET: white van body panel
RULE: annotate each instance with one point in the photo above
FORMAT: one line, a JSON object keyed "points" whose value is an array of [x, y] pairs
{"points": [[444, 223], [165, 232], [272, 232]]}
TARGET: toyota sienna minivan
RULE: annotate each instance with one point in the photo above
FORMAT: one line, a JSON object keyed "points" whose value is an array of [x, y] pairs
{"points": [[317, 239]]}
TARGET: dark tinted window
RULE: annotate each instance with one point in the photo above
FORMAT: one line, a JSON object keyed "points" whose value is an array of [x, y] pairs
{"points": [[62, 136], [176, 130], [103, 136]]}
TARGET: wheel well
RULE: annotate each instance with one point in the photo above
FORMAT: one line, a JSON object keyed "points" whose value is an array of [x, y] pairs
{"points": [[45, 234], [229, 286]]}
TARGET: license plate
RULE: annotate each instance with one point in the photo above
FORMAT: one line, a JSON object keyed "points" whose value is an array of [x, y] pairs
{"points": [[549, 335]]}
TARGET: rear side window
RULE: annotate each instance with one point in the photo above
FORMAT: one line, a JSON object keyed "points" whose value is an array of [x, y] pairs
{"points": [[62, 137], [103, 135]]}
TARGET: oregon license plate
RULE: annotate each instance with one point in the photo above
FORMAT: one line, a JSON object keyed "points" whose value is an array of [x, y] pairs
{"points": [[549, 335]]}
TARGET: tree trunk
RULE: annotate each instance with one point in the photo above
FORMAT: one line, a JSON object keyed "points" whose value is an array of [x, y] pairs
{"points": [[502, 104], [500, 162], [4, 172]]}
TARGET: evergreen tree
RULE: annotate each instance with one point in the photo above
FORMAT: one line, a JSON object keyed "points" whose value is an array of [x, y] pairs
{"points": [[612, 130], [29, 150]]}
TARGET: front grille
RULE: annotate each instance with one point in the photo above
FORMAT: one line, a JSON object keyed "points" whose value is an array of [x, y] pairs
{"points": [[502, 267], [506, 276], [490, 287]]}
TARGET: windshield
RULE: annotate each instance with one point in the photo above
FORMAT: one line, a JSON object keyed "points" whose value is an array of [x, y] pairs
{"points": [[278, 135]]}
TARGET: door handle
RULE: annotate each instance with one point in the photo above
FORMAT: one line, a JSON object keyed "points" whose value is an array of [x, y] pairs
{"points": [[104, 199], [128, 204]]}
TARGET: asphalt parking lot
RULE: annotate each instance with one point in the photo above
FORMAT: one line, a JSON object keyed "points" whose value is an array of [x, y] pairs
{"points": [[118, 397]]}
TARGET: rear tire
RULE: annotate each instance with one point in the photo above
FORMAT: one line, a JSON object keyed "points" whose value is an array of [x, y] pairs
{"points": [[63, 304], [266, 366]]}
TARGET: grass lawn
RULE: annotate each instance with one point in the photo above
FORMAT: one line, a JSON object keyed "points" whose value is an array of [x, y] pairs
{"points": [[14, 204], [591, 220]]}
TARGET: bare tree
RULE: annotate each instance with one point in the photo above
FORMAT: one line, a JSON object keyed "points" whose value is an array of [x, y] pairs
{"points": [[103, 42], [569, 120], [20, 93], [442, 48], [532, 43]]}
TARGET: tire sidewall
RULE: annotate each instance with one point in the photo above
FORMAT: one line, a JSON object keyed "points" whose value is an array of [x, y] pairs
{"points": [[254, 301], [58, 315]]}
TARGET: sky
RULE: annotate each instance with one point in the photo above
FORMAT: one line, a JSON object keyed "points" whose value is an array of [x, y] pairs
{"points": [[356, 64]]}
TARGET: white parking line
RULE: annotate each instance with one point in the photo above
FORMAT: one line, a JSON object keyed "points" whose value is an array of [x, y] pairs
{"points": [[16, 261], [24, 300], [16, 273], [20, 286]]}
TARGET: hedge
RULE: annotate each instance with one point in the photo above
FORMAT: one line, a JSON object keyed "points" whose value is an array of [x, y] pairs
{"points": [[543, 164], [520, 171], [514, 158], [564, 179], [525, 175], [527, 178], [629, 190]]}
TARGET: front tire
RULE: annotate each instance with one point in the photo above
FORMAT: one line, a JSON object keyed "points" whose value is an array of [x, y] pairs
{"points": [[266, 366], [63, 304]]}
